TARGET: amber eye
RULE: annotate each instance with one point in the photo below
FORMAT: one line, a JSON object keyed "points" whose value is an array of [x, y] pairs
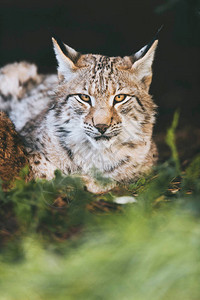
{"points": [[84, 97], [119, 98]]}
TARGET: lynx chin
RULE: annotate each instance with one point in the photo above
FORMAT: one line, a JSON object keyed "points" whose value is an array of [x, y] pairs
{"points": [[96, 114]]}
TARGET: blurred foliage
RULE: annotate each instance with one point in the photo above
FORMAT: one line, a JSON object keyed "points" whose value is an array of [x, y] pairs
{"points": [[170, 140], [56, 245]]}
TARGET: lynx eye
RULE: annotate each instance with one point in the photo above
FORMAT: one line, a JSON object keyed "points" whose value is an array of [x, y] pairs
{"points": [[84, 97], [119, 98]]}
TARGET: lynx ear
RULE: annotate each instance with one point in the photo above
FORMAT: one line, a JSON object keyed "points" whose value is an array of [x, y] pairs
{"points": [[66, 57], [142, 63]]}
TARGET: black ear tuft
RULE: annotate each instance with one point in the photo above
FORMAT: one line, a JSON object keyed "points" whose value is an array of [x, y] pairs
{"points": [[148, 46], [139, 54]]}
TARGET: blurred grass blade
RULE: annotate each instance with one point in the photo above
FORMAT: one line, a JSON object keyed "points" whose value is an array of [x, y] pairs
{"points": [[171, 141]]}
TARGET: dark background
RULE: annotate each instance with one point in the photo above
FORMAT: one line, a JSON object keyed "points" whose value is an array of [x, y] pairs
{"points": [[117, 28]]}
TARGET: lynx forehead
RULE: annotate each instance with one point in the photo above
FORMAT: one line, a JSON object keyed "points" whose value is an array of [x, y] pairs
{"points": [[103, 74], [98, 114]]}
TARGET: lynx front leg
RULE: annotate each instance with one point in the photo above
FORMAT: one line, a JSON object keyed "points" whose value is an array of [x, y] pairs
{"points": [[41, 167]]}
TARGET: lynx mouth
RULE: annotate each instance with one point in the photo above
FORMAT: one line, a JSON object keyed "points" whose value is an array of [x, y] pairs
{"points": [[102, 138]]}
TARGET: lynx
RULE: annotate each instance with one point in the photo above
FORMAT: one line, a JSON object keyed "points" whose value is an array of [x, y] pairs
{"points": [[97, 114]]}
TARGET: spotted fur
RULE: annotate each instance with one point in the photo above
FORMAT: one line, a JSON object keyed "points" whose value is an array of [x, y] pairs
{"points": [[61, 131]]}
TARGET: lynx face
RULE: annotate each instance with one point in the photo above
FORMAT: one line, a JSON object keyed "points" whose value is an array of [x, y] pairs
{"points": [[103, 100]]}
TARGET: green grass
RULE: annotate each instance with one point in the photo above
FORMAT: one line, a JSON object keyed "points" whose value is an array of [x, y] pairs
{"points": [[143, 251]]}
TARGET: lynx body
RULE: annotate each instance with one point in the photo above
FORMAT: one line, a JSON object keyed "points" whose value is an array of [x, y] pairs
{"points": [[96, 114]]}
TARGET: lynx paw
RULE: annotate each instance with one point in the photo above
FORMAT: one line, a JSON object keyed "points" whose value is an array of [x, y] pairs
{"points": [[97, 188]]}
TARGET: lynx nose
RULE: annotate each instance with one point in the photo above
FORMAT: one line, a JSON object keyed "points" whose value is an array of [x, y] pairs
{"points": [[102, 127]]}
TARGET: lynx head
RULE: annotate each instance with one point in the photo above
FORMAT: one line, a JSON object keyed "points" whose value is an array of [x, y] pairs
{"points": [[103, 100]]}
